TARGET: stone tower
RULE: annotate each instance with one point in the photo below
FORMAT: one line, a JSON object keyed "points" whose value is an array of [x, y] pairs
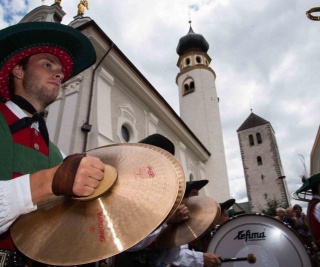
{"points": [[199, 108], [262, 166]]}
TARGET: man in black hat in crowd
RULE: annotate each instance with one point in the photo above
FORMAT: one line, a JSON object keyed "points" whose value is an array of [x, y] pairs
{"points": [[35, 58], [184, 256]]}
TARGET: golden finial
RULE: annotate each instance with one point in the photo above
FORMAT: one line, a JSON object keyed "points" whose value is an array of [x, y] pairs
{"points": [[56, 2], [81, 6]]}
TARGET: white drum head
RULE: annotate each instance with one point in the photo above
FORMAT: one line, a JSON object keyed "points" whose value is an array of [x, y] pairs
{"points": [[272, 242]]}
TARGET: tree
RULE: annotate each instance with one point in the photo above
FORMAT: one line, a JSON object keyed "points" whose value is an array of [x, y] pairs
{"points": [[272, 205]]}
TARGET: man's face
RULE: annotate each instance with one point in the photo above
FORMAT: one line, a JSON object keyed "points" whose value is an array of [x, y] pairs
{"points": [[41, 79]]}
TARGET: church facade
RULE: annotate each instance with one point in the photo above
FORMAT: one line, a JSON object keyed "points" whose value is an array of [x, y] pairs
{"points": [[112, 102]]}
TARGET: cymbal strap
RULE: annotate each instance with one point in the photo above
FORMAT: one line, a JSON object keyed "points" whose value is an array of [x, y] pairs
{"points": [[62, 183]]}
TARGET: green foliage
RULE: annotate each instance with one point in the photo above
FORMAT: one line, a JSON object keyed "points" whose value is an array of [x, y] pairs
{"points": [[272, 205]]}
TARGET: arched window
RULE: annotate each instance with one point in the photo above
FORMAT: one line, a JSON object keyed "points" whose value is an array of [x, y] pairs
{"points": [[262, 176], [259, 160], [198, 59], [188, 87], [251, 141], [192, 86], [259, 140], [187, 61]]}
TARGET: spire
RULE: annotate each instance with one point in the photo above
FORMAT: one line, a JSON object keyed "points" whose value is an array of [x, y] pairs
{"points": [[252, 121]]}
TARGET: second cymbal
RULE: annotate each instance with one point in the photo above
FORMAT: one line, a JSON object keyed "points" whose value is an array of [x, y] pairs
{"points": [[204, 213]]}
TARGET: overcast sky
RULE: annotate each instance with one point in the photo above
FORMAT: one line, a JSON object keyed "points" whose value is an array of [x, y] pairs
{"points": [[265, 54]]}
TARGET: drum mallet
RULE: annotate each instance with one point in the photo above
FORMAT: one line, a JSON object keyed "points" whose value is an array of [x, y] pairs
{"points": [[251, 258]]}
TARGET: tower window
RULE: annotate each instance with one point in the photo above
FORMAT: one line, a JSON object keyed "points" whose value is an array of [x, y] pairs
{"points": [[259, 140], [188, 87], [198, 59], [192, 86], [262, 176], [251, 141], [265, 195], [187, 61], [259, 160]]}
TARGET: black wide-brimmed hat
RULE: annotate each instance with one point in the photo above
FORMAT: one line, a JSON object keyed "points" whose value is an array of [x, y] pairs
{"points": [[309, 183], [194, 185], [19, 41], [159, 140], [227, 204]]}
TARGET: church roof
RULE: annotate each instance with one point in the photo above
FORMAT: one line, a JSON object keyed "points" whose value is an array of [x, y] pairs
{"points": [[252, 121], [192, 42]]}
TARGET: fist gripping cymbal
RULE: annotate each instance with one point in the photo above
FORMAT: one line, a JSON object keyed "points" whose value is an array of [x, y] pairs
{"points": [[204, 213], [146, 188]]}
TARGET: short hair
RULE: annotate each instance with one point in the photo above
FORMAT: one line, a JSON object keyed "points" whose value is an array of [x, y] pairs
{"points": [[297, 206], [281, 209]]}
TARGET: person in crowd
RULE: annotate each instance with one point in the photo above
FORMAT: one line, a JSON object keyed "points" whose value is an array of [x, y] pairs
{"points": [[301, 225], [282, 216], [290, 213], [183, 256], [35, 58], [201, 244]]}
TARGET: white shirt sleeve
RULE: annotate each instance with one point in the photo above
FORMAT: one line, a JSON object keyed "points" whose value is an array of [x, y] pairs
{"points": [[182, 256], [15, 200]]}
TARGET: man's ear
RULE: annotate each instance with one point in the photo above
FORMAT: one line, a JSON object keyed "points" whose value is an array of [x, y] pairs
{"points": [[18, 72]]}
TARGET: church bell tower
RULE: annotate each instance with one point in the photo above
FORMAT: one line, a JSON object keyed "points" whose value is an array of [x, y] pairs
{"points": [[199, 109]]}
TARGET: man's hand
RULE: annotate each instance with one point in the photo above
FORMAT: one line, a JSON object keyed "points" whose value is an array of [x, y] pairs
{"points": [[78, 175], [211, 260], [89, 174], [180, 215]]}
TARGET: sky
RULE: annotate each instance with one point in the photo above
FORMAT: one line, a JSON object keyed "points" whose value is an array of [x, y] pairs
{"points": [[265, 54]]}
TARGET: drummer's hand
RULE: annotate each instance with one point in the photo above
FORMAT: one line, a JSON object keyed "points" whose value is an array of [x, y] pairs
{"points": [[89, 174], [180, 215], [211, 260]]}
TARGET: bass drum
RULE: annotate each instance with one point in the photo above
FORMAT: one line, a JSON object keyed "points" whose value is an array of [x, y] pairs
{"points": [[273, 243]]}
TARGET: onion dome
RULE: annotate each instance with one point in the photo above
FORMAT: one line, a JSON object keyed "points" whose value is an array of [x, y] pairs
{"points": [[192, 42]]}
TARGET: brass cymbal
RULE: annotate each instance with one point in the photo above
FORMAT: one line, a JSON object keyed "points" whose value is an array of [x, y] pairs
{"points": [[64, 231], [204, 213]]}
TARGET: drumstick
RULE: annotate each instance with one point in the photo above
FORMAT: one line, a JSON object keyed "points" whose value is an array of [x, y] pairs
{"points": [[251, 258]]}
